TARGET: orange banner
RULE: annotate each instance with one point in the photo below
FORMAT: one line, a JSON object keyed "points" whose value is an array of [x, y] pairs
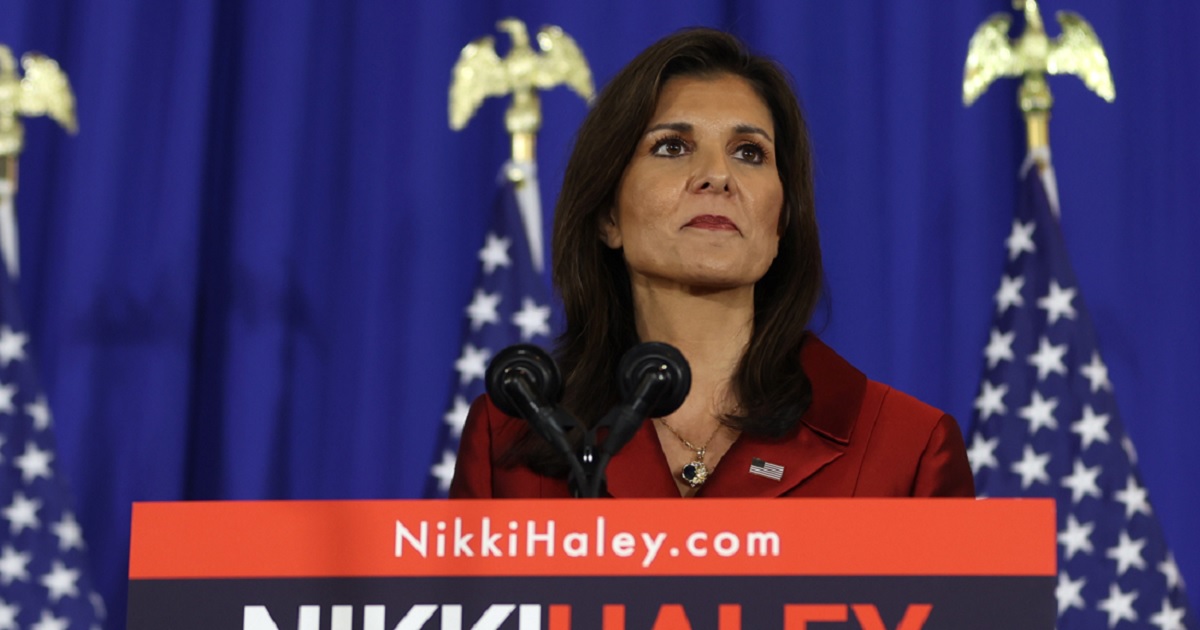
{"points": [[935, 537]]}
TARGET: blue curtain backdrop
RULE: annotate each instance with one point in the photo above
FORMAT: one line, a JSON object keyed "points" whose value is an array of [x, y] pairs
{"points": [[245, 276]]}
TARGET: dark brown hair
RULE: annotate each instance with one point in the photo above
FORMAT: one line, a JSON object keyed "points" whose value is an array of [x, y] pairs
{"points": [[593, 281]]}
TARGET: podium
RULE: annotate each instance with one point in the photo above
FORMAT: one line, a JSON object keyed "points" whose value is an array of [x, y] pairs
{"points": [[719, 564]]}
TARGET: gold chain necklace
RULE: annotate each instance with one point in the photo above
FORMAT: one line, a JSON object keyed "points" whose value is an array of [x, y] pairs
{"points": [[694, 472]]}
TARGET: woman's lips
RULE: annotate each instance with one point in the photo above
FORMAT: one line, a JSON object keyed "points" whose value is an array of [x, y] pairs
{"points": [[712, 222]]}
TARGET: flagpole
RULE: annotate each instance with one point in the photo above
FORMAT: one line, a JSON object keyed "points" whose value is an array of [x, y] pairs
{"points": [[480, 73], [9, 245], [512, 296], [48, 544]]}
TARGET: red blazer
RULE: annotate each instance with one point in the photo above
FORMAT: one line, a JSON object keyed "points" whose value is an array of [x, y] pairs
{"points": [[859, 438]]}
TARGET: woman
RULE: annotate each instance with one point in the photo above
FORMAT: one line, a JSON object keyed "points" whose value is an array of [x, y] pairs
{"points": [[686, 216]]}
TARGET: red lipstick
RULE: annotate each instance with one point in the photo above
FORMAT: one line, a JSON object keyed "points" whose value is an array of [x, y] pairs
{"points": [[712, 222]]}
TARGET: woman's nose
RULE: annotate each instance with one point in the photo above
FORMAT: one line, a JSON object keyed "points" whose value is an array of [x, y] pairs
{"points": [[712, 173]]}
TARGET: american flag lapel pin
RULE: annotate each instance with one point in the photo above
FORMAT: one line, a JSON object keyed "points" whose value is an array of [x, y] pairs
{"points": [[766, 469]]}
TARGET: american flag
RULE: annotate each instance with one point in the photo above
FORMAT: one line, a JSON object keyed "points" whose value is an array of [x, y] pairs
{"points": [[1046, 425], [44, 578], [510, 304]]}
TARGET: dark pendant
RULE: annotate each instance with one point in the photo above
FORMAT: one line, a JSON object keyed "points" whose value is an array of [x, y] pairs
{"points": [[695, 473]]}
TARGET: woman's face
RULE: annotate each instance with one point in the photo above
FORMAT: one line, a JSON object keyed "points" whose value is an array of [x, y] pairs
{"points": [[699, 203]]}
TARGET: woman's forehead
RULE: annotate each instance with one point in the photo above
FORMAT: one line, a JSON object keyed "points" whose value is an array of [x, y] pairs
{"points": [[723, 97]]}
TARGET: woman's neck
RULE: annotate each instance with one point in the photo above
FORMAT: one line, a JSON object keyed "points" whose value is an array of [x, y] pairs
{"points": [[711, 328]]}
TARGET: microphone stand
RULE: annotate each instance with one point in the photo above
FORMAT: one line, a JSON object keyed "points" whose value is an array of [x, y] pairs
{"points": [[552, 423], [524, 381], [587, 463]]}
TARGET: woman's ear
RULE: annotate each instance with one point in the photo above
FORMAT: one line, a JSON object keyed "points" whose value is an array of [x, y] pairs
{"points": [[610, 232]]}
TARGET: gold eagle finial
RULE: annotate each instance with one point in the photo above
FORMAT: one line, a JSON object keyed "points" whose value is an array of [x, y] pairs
{"points": [[480, 73], [43, 91], [1077, 50], [1033, 55]]}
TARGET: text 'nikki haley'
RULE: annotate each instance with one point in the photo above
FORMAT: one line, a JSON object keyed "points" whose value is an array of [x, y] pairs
{"points": [[543, 539]]}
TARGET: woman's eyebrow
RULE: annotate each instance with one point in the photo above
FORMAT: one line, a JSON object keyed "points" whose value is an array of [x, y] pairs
{"points": [[756, 130], [683, 127]]}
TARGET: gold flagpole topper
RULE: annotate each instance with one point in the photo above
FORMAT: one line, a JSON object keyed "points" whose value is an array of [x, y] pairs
{"points": [[1033, 55], [43, 91], [481, 73]]}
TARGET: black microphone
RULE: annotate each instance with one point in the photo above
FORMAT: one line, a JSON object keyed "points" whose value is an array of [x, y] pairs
{"points": [[653, 379], [523, 381]]}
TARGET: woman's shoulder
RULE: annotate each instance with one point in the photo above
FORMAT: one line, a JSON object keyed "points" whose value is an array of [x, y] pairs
{"points": [[899, 406], [898, 445], [843, 392]]}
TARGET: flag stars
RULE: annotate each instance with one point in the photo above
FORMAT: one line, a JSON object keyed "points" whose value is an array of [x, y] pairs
{"points": [[6, 397], [97, 603], [1169, 617], [443, 471], [1032, 467], [1119, 605], [1042, 369], [1127, 553], [49, 622], [14, 566], [472, 364], [1170, 570], [1069, 593], [60, 581], [8, 615], [532, 319], [1092, 427], [1134, 497], [1039, 412], [1130, 452], [1082, 482], [1009, 294], [991, 400], [12, 346], [1057, 303], [495, 253], [39, 411], [983, 453], [456, 417], [1097, 374], [34, 463], [1076, 538], [69, 533], [999, 347], [1049, 359], [483, 309], [22, 513], [1020, 239]]}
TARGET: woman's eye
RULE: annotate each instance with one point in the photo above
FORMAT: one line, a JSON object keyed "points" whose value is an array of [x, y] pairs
{"points": [[670, 147], [751, 153]]}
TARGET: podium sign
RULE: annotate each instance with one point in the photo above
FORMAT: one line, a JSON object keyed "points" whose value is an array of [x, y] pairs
{"points": [[720, 564]]}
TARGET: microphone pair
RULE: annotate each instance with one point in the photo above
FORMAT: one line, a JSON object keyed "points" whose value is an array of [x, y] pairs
{"points": [[653, 379]]}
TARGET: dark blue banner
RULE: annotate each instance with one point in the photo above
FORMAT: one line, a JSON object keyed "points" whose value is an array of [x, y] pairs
{"points": [[663, 603]]}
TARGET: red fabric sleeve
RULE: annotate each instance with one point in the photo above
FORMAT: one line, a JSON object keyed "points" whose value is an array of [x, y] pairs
{"points": [[473, 467], [944, 470]]}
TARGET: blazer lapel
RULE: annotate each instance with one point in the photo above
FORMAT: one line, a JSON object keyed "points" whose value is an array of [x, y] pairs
{"points": [[640, 469], [821, 436]]}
